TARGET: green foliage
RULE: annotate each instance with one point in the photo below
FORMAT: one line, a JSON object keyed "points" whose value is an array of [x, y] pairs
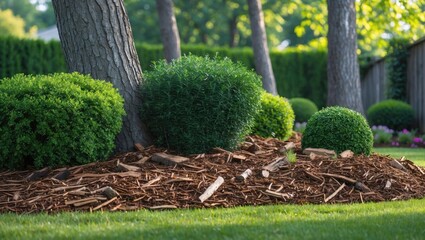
{"points": [[299, 72], [382, 134], [56, 120], [275, 119], [396, 64], [11, 25], [196, 103], [30, 57], [303, 109], [406, 137], [338, 129], [394, 114]]}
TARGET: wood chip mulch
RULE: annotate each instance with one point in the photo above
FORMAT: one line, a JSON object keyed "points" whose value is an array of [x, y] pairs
{"points": [[142, 179]]}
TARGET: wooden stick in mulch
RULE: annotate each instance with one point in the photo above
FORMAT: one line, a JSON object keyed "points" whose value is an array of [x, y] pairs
{"points": [[244, 175], [126, 168], [38, 174], [277, 164], [211, 189], [287, 147], [105, 203], [335, 193]]}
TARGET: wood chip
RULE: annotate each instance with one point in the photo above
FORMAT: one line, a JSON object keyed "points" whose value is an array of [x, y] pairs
{"points": [[347, 154], [244, 175], [168, 159], [139, 147], [320, 151], [105, 203], [211, 189], [335, 193]]}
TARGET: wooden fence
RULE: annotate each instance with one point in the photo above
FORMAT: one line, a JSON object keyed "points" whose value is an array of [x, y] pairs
{"points": [[374, 84]]}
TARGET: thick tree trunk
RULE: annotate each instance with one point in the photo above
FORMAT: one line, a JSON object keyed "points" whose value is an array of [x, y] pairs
{"points": [[169, 32], [96, 39], [262, 61], [343, 68]]}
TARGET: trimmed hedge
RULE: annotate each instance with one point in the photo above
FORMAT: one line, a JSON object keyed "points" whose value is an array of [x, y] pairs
{"points": [[196, 103], [57, 120], [30, 57], [394, 114], [303, 109], [275, 119], [298, 72], [338, 129]]}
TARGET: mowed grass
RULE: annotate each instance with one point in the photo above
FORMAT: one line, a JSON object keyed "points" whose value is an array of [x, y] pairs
{"points": [[385, 220], [416, 155]]}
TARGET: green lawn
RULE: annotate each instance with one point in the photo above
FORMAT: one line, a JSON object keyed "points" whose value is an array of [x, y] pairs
{"points": [[414, 154], [386, 220]]}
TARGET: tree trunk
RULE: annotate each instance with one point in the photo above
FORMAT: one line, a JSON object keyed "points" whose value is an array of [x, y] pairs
{"points": [[233, 22], [262, 61], [169, 32], [96, 39], [343, 68]]}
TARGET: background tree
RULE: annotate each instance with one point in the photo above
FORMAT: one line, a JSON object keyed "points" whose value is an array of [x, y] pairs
{"points": [[262, 61], [169, 32], [11, 25], [343, 69], [97, 40]]}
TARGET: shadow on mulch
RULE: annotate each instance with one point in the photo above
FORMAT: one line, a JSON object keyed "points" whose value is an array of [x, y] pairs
{"points": [[134, 181]]}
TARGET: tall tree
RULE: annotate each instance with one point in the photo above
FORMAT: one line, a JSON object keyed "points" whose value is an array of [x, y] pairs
{"points": [[169, 32], [262, 61], [343, 68], [97, 40]]}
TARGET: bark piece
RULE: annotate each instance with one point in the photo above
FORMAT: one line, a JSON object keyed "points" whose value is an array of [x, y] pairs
{"points": [[335, 193], [253, 148], [168, 159], [347, 179], [287, 147], [278, 163], [362, 187], [63, 175], [347, 154], [398, 165], [388, 185], [163, 207], [277, 194], [81, 202], [211, 189], [105, 203], [38, 174], [110, 192], [126, 168], [265, 173], [244, 175], [320, 152], [139, 147]]}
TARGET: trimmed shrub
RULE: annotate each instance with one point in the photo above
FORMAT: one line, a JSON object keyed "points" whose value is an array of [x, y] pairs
{"points": [[303, 109], [275, 119], [339, 129], [394, 114], [196, 103], [56, 120]]}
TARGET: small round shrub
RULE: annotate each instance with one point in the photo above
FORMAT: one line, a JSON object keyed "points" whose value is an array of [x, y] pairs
{"points": [[56, 120], [196, 103], [394, 114], [275, 119], [338, 129], [303, 109]]}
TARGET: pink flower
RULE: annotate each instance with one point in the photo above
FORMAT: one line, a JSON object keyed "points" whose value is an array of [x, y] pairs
{"points": [[417, 140], [405, 131]]}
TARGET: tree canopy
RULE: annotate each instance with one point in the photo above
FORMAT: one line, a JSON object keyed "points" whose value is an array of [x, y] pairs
{"points": [[11, 25]]}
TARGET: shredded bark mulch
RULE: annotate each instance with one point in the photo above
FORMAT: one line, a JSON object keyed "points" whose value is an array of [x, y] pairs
{"points": [[153, 178]]}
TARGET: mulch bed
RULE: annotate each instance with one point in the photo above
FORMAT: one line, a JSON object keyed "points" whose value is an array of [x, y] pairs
{"points": [[134, 181]]}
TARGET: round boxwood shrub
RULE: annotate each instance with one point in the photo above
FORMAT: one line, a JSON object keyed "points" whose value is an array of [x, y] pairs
{"points": [[394, 114], [196, 103], [275, 119], [339, 129], [56, 120], [303, 109]]}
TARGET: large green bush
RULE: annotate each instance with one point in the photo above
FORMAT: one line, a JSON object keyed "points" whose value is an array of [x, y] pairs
{"points": [[303, 109], [339, 129], [54, 120], [275, 119], [196, 103], [394, 114]]}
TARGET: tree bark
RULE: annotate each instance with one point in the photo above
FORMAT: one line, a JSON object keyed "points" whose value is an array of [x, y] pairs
{"points": [[96, 39], [233, 22], [262, 61], [169, 31], [343, 68]]}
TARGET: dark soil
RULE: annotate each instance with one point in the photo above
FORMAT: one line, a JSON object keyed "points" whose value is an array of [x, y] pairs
{"points": [[155, 186]]}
